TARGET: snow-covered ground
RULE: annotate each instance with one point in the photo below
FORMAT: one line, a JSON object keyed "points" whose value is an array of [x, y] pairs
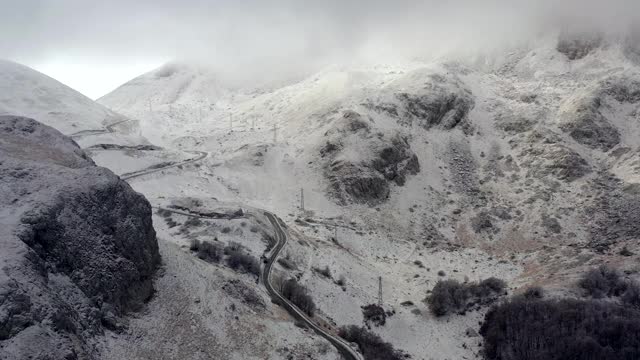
{"points": [[526, 168], [26, 92], [501, 190]]}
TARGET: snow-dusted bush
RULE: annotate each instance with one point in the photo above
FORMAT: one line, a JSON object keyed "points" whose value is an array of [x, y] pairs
{"points": [[602, 282], [535, 329], [298, 295], [451, 296], [239, 260], [371, 345]]}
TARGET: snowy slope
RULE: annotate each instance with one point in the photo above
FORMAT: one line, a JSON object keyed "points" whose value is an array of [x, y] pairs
{"points": [[26, 92], [528, 171], [173, 94]]}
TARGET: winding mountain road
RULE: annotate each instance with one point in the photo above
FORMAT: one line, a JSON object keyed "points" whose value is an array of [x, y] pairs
{"points": [[343, 347], [108, 129], [200, 155], [340, 344]]}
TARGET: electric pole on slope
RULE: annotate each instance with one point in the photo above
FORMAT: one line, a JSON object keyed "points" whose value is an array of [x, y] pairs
{"points": [[302, 199], [150, 107], [230, 122], [335, 233], [380, 291], [275, 133]]}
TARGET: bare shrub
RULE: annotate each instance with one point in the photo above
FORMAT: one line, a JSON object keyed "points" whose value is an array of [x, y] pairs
{"points": [[287, 264], [371, 345], [535, 329], [298, 295], [632, 295], [375, 314], [239, 260], [164, 213], [326, 272], [209, 252], [170, 222], [534, 292], [193, 222], [450, 296], [602, 282], [194, 245]]}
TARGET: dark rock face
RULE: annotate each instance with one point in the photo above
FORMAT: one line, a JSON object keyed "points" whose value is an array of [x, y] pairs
{"points": [[586, 125], [577, 46], [582, 116], [546, 155], [394, 162], [615, 215], [373, 189], [368, 179], [78, 248], [446, 111], [441, 101], [556, 160]]}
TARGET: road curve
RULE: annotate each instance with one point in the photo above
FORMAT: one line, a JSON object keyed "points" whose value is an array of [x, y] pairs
{"points": [[108, 129], [200, 155], [343, 347]]}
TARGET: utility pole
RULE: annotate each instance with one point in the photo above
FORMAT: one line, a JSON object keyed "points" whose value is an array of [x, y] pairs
{"points": [[150, 108], [380, 291], [253, 123], [275, 133], [335, 233], [302, 199], [230, 122], [200, 113]]}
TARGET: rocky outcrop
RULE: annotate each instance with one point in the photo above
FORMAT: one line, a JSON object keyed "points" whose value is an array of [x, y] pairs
{"points": [[440, 101], [547, 155], [77, 249], [614, 216], [583, 116], [361, 165], [576, 46], [582, 119]]}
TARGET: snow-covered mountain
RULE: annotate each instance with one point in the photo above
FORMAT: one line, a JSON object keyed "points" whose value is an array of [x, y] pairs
{"points": [[26, 92], [523, 166]]}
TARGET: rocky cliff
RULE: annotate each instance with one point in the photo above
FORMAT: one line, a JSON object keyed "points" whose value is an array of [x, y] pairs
{"points": [[77, 245]]}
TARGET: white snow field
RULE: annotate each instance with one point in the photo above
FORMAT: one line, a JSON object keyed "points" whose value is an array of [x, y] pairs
{"points": [[523, 165], [500, 189]]}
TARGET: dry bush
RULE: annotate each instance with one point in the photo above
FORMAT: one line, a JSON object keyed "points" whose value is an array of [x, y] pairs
{"points": [[535, 329], [371, 345], [450, 296]]}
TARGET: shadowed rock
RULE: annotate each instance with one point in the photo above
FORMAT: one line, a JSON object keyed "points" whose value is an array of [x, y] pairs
{"points": [[577, 46], [78, 248], [361, 166]]}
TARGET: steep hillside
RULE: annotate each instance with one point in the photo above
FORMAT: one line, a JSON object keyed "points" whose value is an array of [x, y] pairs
{"points": [[174, 93], [77, 248], [522, 166], [26, 92]]}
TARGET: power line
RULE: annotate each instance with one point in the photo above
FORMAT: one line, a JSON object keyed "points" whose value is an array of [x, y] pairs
{"points": [[380, 291]]}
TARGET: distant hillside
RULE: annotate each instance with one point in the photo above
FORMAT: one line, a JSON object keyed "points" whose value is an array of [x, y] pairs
{"points": [[26, 92]]}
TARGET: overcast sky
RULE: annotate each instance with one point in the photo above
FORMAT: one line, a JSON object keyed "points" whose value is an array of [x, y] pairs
{"points": [[95, 46]]}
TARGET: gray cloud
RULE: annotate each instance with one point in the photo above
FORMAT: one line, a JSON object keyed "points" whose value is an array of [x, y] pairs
{"points": [[261, 35]]}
